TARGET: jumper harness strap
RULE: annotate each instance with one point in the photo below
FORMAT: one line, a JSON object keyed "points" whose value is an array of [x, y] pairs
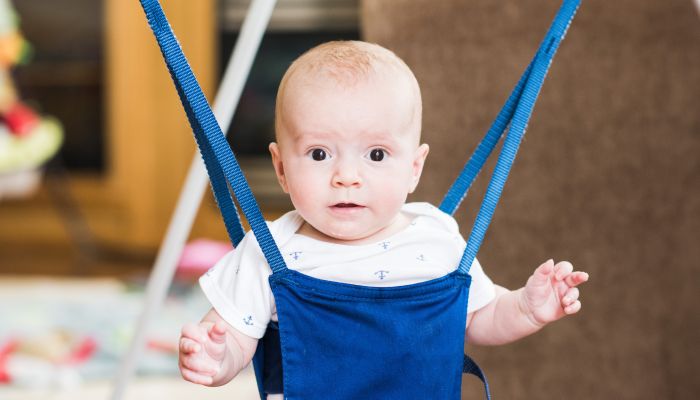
{"points": [[516, 112], [220, 161]]}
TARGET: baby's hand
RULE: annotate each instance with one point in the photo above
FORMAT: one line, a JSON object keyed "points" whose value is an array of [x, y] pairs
{"points": [[202, 350], [551, 293]]}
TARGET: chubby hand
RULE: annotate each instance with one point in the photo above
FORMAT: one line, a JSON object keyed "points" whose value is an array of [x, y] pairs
{"points": [[202, 351], [551, 292]]}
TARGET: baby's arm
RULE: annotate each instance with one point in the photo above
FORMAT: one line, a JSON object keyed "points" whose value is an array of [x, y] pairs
{"points": [[549, 294], [213, 352]]}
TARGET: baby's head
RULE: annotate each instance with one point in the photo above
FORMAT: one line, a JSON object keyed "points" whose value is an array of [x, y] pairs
{"points": [[348, 152]]}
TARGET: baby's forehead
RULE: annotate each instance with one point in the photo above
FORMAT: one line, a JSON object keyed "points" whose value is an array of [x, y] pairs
{"points": [[353, 67]]}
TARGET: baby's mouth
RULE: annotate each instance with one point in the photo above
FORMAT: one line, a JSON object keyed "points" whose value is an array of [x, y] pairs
{"points": [[346, 205]]}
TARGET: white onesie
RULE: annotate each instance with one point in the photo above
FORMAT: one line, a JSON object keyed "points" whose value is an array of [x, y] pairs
{"points": [[430, 247]]}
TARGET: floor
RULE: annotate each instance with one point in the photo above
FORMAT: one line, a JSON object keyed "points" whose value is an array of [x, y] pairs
{"points": [[242, 388], [46, 260], [50, 316]]}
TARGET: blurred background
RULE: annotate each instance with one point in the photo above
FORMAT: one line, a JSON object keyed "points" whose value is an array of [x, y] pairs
{"points": [[94, 149]]}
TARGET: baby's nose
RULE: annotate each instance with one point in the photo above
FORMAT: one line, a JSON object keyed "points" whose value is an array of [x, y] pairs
{"points": [[346, 174]]}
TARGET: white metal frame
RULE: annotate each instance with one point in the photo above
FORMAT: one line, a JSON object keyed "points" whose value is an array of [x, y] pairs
{"points": [[173, 243]]}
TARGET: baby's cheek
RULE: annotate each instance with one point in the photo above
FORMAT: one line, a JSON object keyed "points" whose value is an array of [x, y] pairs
{"points": [[308, 200], [304, 201], [391, 195], [304, 187]]}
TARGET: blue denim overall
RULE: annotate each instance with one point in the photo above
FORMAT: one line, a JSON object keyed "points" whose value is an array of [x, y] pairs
{"points": [[346, 341]]}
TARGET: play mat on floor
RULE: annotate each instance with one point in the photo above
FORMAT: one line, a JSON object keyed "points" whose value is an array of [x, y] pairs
{"points": [[60, 333]]}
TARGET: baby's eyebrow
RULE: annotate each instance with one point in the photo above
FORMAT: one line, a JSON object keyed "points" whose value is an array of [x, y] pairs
{"points": [[379, 138], [383, 139], [310, 134]]}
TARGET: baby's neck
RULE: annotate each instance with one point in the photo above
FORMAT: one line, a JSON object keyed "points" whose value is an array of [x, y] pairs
{"points": [[397, 225]]}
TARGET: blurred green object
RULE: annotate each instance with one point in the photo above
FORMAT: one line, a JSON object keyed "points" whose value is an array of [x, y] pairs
{"points": [[29, 151]]}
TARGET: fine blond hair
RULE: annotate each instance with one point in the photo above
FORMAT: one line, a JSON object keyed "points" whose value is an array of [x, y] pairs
{"points": [[348, 63]]}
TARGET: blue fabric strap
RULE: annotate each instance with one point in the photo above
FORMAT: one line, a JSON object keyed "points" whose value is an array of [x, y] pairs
{"points": [[470, 367], [517, 112], [220, 161], [458, 190]]}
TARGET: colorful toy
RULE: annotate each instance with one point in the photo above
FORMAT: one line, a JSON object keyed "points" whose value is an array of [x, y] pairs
{"points": [[199, 255], [27, 140]]}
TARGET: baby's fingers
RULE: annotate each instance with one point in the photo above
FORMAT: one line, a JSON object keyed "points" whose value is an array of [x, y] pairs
{"points": [[199, 365], [576, 278], [194, 332], [562, 269], [189, 346], [194, 377], [573, 308], [570, 301], [217, 333], [541, 275], [570, 297]]}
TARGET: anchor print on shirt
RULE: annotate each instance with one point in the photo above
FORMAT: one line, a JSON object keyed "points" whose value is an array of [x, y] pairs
{"points": [[420, 258], [248, 320], [381, 274], [385, 245], [295, 254]]}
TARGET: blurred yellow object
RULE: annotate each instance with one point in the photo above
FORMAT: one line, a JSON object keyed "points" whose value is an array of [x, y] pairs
{"points": [[14, 49]]}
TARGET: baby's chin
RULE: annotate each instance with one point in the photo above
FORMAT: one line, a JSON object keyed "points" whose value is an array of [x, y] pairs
{"points": [[342, 235], [351, 237], [354, 233]]}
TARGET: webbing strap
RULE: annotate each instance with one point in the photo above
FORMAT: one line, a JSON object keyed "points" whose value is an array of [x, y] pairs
{"points": [[470, 367], [460, 187], [220, 161], [516, 112]]}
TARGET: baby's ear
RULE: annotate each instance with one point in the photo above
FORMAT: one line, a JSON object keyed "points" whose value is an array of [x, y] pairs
{"points": [[418, 163], [279, 167]]}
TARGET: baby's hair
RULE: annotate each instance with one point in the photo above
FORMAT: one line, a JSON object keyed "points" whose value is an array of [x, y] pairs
{"points": [[348, 63]]}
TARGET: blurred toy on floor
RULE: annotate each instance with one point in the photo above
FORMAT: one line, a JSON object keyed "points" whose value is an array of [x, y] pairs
{"points": [[50, 359], [198, 256], [63, 333], [27, 140]]}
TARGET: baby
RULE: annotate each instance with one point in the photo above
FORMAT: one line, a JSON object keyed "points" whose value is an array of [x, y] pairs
{"points": [[348, 152]]}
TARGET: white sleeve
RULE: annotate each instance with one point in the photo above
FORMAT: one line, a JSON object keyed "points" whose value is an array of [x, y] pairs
{"points": [[238, 288], [482, 290]]}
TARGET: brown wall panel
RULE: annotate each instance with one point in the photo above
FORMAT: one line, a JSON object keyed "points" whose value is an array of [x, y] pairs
{"points": [[607, 177]]}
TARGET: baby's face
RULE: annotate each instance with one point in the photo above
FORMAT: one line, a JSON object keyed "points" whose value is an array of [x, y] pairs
{"points": [[348, 156]]}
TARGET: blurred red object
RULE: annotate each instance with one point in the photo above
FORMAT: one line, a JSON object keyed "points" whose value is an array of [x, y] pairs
{"points": [[6, 349], [200, 255], [82, 351], [20, 119]]}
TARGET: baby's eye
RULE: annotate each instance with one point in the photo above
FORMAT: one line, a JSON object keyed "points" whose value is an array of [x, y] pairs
{"points": [[318, 154], [376, 155]]}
